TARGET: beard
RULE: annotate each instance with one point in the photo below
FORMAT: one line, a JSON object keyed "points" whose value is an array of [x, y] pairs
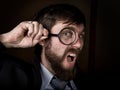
{"points": [[56, 64]]}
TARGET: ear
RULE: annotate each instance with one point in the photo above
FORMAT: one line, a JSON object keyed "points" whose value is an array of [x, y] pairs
{"points": [[42, 42]]}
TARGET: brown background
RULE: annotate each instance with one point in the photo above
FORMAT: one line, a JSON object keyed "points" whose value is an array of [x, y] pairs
{"points": [[15, 11], [100, 56]]}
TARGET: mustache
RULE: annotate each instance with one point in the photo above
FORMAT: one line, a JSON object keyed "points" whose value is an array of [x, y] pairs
{"points": [[76, 51]]}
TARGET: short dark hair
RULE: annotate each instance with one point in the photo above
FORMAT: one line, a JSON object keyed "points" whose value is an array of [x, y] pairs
{"points": [[49, 15]]}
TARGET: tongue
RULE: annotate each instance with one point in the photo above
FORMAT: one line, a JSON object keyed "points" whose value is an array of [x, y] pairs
{"points": [[69, 59]]}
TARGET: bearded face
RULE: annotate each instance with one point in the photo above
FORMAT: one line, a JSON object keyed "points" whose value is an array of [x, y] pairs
{"points": [[61, 58], [57, 62]]}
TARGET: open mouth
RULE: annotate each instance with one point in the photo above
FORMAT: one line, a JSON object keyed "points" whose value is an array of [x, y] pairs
{"points": [[71, 57]]}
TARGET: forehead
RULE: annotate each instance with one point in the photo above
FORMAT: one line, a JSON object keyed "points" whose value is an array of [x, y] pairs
{"points": [[60, 25]]}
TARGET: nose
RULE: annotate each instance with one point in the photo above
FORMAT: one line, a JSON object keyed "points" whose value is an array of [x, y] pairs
{"points": [[78, 44]]}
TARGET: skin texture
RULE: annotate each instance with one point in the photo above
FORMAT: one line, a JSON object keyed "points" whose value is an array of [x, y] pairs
{"points": [[26, 34], [54, 53]]}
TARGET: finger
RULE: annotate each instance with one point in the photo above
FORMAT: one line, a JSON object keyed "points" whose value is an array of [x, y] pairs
{"points": [[30, 28], [45, 32], [36, 29], [43, 38], [39, 35], [42, 33]]}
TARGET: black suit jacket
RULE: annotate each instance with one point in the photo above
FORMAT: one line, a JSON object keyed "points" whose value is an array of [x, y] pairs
{"points": [[17, 74]]}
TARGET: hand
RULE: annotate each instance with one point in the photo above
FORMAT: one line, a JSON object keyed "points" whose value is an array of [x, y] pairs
{"points": [[26, 34]]}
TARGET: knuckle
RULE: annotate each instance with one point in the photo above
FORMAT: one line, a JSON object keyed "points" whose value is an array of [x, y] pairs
{"points": [[35, 22], [22, 23], [40, 25]]}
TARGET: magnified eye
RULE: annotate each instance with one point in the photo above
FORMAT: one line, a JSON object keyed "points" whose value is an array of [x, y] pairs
{"points": [[68, 34]]}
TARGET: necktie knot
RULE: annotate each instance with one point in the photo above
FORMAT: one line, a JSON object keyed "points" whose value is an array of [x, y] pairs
{"points": [[58, 84]]}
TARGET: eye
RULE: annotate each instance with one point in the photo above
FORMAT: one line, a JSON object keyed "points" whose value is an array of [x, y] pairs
{"points": [[68, 34], [81, 36]]}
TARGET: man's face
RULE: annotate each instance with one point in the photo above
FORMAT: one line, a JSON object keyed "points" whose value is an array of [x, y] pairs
{"points": [[63, 57]]}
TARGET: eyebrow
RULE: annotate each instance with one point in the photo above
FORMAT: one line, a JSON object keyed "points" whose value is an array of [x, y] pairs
{"points": [[72, 28], [69, 27]]}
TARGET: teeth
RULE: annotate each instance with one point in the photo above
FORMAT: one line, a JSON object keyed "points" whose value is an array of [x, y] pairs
{"points": [[73, 55]]}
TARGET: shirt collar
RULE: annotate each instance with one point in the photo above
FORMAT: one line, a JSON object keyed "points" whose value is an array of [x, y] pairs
{"points": [[46, 76]]}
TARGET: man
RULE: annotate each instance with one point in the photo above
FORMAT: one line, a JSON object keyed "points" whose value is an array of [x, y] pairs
{"points": [[57, 33]]}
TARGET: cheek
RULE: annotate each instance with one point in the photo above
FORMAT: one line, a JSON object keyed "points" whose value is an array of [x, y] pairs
{"points": [[58, 47]]}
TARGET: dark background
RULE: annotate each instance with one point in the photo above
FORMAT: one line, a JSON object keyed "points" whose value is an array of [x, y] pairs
{"points": [[99, 60]]}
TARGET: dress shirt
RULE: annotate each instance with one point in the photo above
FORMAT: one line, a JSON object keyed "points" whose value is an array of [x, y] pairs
{"points": [[47, 77]]}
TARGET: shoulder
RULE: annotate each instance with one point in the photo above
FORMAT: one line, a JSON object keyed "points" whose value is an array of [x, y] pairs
{"points": [[10, 62], [14, 72]]}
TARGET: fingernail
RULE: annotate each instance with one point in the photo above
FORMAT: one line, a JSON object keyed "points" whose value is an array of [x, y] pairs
{"points": [[44, 37]]}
